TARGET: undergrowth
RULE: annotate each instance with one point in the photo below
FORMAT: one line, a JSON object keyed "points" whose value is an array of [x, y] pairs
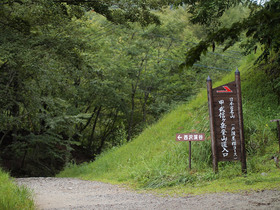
{"points": [[154, 160], [12, 196]]}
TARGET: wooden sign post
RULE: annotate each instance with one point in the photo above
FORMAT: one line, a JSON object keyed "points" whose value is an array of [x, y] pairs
{"points": [[190, 137], [226, 122], [278, 129]]}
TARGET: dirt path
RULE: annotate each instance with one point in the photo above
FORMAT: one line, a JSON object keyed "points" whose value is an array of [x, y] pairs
{"points": [[67, 193]]}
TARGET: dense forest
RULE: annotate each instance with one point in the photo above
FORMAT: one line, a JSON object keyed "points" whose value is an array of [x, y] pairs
{"points": [[79, 77]]}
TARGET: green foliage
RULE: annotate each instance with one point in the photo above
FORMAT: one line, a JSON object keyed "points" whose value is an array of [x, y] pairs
{"points": [[12, 196], [35, 119], [36, 155], [79, 77], [154, 160], [261, 27]]}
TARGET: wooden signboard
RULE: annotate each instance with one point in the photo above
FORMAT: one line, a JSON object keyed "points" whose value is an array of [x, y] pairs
{"points": [[226, 122]]}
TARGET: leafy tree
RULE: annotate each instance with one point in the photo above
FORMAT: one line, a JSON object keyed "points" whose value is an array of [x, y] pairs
{"points": [[78, 77], [147, 60], [260, 27], [48, 80], [35, 53]]}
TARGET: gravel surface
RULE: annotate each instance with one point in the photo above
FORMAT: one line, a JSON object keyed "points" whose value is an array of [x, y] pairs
{"points": [[68, 193]]}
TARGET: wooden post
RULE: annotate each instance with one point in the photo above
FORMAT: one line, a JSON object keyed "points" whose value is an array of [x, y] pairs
{"points": [[212, 129], [190, 155], [278, 129], [241, 126]]}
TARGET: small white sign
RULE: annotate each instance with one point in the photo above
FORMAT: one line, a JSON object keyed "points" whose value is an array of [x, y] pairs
{"points": [[190, 137]]}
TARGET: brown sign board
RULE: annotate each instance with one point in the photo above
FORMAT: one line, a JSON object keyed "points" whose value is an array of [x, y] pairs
{"points": [[226, 122], [190, 137]]}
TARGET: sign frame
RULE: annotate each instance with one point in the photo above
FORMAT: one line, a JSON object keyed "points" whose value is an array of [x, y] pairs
{"points": [[233, 90]]}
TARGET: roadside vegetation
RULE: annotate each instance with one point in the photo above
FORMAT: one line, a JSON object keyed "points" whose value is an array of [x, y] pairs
{"points": [[112, 82], [154, 160], [88, 84], [12, 196]]}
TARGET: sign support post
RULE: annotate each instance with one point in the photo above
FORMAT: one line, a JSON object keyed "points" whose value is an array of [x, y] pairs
{"points": [[190, 155], [211, 118], [241, 126], [278, 129]]}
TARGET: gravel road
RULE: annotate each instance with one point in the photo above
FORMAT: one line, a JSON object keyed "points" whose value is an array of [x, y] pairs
{"points": [[68, 193]]}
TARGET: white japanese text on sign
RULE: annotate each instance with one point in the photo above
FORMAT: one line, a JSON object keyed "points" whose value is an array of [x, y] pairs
{"points": [[190, 137]]}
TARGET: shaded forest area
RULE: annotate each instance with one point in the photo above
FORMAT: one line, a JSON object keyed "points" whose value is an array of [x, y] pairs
{"points": [[80, 77]]}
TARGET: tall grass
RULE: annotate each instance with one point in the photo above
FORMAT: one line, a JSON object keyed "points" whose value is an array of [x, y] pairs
{"points": [[12, 196], [156, 160]]}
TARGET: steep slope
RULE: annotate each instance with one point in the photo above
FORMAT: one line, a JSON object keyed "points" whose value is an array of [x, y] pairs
{"points": [[155, 160]]}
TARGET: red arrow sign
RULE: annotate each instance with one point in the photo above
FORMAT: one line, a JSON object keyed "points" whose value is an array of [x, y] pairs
{"points": [[227, 90]]}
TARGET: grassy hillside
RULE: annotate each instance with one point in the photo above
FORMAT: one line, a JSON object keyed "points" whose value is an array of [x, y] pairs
{"points": [[155, 160], [13, 197]]}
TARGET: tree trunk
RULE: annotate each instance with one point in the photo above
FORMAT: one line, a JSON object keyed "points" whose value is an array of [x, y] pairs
{"points": [[130, 122], [93, 128], [108, 129], [144, 105]]}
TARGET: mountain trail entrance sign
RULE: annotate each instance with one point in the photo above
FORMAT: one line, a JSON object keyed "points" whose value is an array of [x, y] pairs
{"points": [[226, 122]]}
